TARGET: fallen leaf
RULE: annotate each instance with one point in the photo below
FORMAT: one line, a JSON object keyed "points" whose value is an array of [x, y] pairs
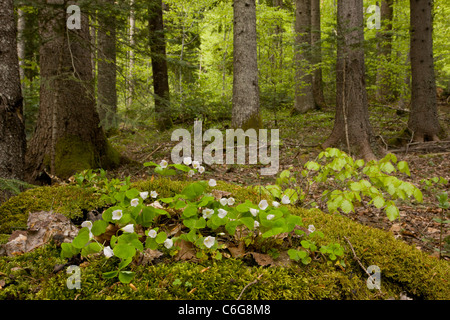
{"points": [[237, 251], [396, 227], [186, 252], [262, 259]]}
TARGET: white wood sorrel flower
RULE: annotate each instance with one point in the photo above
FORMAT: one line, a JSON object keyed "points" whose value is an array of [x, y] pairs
{"points": [[230, 201], [143, 195], [163, 164], [263, 204], [222, 213], [117, 214], [187, 161], [87, 224], [311, 228], [134, 202], [254, 211], [201, 169], [108, 252], [255, 224], [209, 241], [212, 183], [129, 228], [168, 243], [195, 164], [270, 216], [153, 194], [275, 204], [207, 213], [223, 201], [191, 173], [152, 233], [285, 200]]}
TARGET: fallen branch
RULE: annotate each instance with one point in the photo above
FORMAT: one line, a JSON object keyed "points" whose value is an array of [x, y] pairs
{"points": [[248, 285], [428, 145], [355, 257]]}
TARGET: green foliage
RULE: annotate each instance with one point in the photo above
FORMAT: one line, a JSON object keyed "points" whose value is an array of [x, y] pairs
{"points": [[348, 182], [14, 186]]}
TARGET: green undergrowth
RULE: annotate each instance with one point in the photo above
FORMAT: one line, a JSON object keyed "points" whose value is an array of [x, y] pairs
{"points": [[403, 267]]}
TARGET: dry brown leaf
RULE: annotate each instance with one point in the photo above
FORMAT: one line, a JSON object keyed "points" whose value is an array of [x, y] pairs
{"points": [[237, 251], [187, 250], [262, 259]]}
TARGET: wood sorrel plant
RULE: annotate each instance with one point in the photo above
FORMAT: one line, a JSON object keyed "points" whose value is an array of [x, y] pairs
{"points": [[138, 226]]}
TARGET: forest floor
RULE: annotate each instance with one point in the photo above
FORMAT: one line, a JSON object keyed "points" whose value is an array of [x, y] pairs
{"points": [[301, 136]]}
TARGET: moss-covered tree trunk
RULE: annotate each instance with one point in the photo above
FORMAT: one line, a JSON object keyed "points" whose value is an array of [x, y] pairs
{"points": [[68, 137], [12, 129], [245, 111]]}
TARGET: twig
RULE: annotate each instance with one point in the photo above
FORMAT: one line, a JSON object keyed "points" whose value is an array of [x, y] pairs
{"points": [[248, 285], [355, 257]]}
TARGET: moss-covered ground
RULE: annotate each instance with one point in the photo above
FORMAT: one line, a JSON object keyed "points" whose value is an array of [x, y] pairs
{"points": [[404, 269]]}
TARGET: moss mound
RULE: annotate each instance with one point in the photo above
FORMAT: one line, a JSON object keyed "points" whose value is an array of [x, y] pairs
{"points": [[403, 267]]}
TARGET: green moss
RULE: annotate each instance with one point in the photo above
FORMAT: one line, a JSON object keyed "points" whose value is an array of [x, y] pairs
{"points": [[73, 155], [71, 201], [254, 122], [403, 267]]}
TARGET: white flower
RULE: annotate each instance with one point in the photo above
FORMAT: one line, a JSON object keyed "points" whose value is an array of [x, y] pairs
{"points": [[311, 228], [191, 173], [87, 224], [151, 233], [222, 213], [128, 228], [153, 194], [108, 252], [254, 211], [263, 204], [285, 200], [223, 201], [117, 214], [168, 243], [187, 161], [275, 204], [212, 183], [134, 202], [91, 235], [207, 213], [255, 224], [201, 169], [209, 241], [270, 216], [195, 164], [163, 164], [144, 195], [230, 201]]}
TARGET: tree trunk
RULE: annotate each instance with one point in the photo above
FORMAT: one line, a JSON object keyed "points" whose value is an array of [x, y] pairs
{"points": [[12, 129], [316, 45], [304, 99], [351, 124], [106, 84], [68, 137], [384, 48], [423, 119], [245, 111], [159, 65], [131, 56]]}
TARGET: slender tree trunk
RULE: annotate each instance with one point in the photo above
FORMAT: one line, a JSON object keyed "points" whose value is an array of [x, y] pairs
{"points": [[304, 99], [68, 137], [245, 112], [106, 84], [384, 48], [351, 124], [131, 56], [12, 129], [21, 24], [159, 65], [316, 45], [423, 119]]}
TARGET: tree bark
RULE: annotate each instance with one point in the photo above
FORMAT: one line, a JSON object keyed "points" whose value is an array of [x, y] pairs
{"points": [[304, 99], [68, 137], [106, 83], [12, 129], [245, 111], [423, 119], [351, 124], [316, 45], [384, 48], [159, 65], [131, 81]]}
